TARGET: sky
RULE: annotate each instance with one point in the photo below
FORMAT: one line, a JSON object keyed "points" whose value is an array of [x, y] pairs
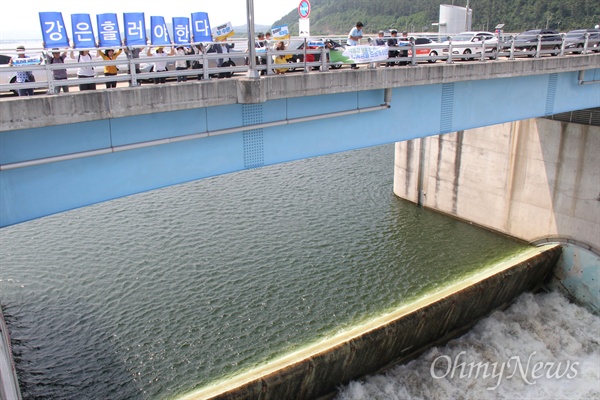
{"points": [[19, 19]]}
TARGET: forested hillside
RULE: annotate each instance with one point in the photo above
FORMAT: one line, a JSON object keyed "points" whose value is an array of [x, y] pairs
{"points": [[339, 16]]}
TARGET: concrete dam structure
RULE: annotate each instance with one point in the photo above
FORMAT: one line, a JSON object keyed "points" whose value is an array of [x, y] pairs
{"points": [[537, 180], [317, 370]]}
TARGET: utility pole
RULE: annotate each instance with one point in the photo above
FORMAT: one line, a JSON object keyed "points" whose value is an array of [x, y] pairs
{"points": [[252, 72], [467, 17]]}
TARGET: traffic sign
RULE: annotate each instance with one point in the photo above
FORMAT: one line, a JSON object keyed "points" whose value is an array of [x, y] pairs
{"points": [[304, 8]]}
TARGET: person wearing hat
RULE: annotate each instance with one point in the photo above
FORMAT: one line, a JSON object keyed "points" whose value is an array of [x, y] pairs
{"points": [[354, 38], [110, 70], [181, 65], [58, 74], [392, 42], [160, 66], [22, 76]]}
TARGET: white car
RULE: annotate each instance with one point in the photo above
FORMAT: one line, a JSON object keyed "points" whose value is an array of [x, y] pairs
{"points": [[425, 47], [9, 75], [470, 43]]}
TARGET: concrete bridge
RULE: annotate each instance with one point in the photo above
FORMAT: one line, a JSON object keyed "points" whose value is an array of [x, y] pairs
{"points": [[62, 152]]}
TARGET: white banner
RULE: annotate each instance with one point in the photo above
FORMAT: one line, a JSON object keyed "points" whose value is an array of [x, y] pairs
{"points": [[280, 32], [223, 31], [365, 54]]}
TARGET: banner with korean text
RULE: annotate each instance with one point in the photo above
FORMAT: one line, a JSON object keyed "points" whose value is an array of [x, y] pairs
{"points": [[108, 30], [135, 29], [181, 30], [280, 32], [201, 28], [222, 32], [360, 54], [160, 34], [26, 61], [54, 32], [83, 34]]}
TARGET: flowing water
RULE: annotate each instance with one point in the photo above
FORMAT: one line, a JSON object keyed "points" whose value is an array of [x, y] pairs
{"points": [[542, 347], [153, 295]]}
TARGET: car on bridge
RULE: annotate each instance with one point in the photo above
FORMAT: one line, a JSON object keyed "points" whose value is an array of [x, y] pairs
{"points": [[424, 47], [312, 44], [575, 40], [468, 44], [527, 42]]}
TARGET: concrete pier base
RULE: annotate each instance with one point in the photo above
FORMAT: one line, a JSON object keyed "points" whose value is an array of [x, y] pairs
{"points": [[315, 371]]}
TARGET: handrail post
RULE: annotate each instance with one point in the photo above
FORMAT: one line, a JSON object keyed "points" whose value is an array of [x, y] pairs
{"points": [[49, 74], [205, 74], [324, 58], [585, 43], [413, 59], [306, 67], [482, 58], [562, 44], [538, 51], [449, 60], [269, 61], [132, 70], [512, 47]]}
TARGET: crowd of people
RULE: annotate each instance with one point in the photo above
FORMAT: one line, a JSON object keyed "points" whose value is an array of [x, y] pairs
{"points": [[355, 35], [159, 63]]}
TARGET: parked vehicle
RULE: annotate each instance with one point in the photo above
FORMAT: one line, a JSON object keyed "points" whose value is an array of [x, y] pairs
{"points": [[470, 43], [575, 40], [9, 75], [528, 41], [311, 44], [423, 48]]}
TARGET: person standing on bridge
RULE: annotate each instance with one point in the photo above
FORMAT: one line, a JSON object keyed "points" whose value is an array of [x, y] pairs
{"points": [[354, 38], [261, 46], [181, 65], [85, 71], [160, 66], [380, 41], [58, 74], [22, 76], [110, 70], [392, 42]]}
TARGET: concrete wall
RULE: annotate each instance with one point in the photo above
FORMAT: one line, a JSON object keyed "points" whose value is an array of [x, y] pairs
{"points": [[532, 179], [317, 370]]}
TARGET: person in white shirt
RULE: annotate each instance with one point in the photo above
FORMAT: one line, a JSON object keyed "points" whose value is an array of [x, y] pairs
{"points": [[354, 38], [160, 66], [85, 71], [181, 65]]}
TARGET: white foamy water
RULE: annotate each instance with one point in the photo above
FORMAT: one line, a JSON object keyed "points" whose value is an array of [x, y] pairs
{"points": [[542, 347]]}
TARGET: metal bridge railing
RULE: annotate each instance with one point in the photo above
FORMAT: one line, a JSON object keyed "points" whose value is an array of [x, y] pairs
{"points": [[203, 64]]}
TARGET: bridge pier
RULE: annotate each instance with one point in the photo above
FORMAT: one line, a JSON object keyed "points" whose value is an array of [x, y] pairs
{"points": [[537, 180]]}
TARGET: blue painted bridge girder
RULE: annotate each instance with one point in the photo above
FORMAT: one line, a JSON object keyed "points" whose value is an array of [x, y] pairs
{"points": [[111, 158]]}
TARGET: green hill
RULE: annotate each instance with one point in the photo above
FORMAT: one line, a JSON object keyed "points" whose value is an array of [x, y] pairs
{"points": [[339, 16]]}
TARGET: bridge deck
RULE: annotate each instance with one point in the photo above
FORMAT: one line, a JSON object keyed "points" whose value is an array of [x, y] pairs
{"points": [[41, 111]]}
